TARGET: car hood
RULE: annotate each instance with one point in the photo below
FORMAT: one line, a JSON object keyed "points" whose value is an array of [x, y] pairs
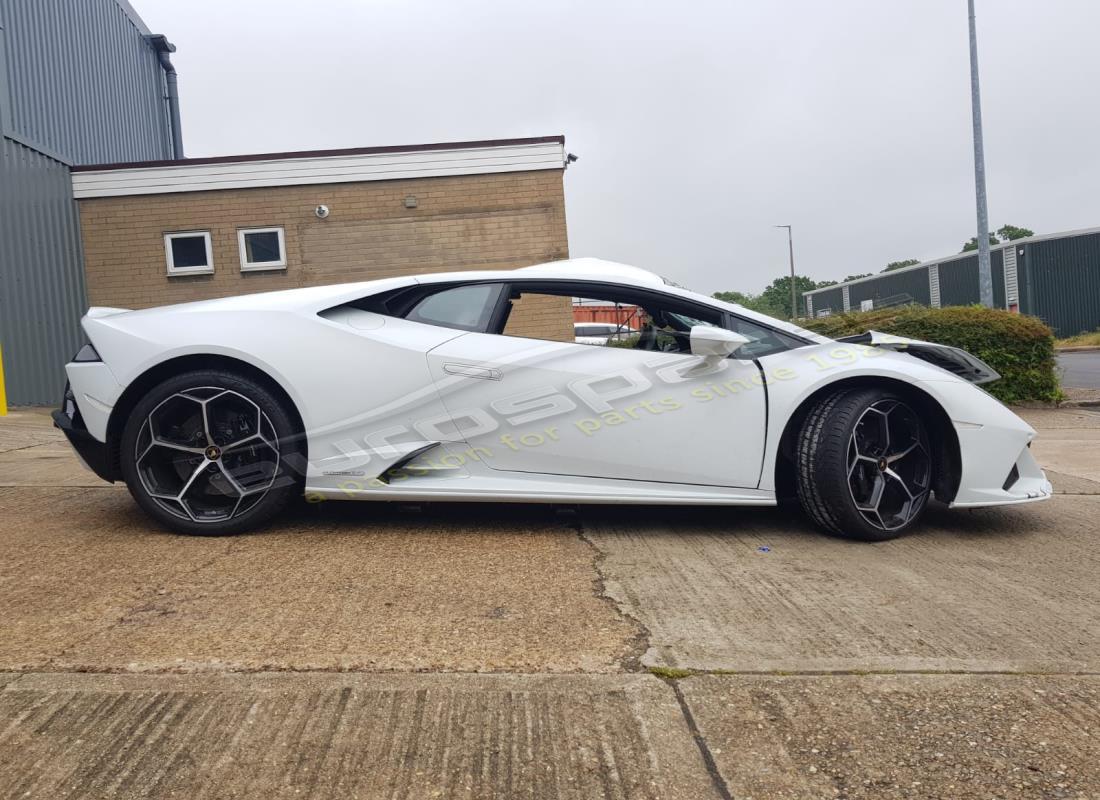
{"points": [[958, 362]]}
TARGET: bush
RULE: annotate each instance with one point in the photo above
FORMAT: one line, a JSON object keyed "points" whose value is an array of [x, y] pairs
{"points": [[1020, 348]]}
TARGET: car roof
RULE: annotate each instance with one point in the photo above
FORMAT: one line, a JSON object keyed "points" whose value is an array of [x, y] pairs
{"points": [[587, 269], [596, 270]]}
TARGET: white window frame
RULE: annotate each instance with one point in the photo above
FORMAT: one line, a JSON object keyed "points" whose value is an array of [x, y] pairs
{"points": [[173, 269], [260, 266]]}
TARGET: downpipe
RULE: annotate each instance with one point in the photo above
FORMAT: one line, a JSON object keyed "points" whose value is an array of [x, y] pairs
{"points": [[164, 49]]}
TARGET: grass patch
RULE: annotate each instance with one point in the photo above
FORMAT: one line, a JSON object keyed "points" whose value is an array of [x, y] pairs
{"points": [[671, 673], [1080, 340]]}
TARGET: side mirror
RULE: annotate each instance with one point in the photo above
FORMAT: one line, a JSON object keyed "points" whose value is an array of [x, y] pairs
{"points": [[714, 344]]}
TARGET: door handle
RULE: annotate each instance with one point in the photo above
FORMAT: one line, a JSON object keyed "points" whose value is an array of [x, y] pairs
{"points": [[471, 371]]}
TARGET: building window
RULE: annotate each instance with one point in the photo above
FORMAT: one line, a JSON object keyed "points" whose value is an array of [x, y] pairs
{"points": [[188, 253], [261, 248]]}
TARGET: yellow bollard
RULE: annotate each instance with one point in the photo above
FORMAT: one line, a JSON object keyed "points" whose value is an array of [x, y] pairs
{"points": [[3, 394]]}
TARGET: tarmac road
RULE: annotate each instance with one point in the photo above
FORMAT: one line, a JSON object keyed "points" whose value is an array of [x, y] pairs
{"points": [[1080, 370], [481, 651]]}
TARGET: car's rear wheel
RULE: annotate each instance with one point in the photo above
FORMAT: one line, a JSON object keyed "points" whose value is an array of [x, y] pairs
{"points": [[206, 453], [864, 464]]}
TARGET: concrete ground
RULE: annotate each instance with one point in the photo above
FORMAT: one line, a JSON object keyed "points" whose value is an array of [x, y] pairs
{"points": [[361, 650]]}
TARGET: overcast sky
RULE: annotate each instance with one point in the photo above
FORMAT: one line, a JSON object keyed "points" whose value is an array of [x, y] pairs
{"points": [[699, 125]]}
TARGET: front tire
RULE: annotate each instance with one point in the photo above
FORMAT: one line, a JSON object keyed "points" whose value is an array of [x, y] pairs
{"points": [[864, 464], [209, 453]]}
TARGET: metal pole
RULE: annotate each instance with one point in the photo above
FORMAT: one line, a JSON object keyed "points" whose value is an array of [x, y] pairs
{"points": [[985, 273], [794, 298]]}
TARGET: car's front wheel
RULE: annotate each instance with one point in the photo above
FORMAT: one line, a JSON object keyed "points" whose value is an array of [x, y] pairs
{"points": [[864, 464], [206, 453]]}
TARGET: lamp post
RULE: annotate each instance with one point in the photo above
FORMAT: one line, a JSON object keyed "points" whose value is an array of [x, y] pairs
{"points": [[985, 273], [790, 246]]}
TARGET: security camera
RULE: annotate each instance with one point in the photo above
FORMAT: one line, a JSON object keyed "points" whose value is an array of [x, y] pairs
{"points": [[321, 212], [570, 158]]}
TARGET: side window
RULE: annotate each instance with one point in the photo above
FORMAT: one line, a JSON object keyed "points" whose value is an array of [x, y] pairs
{"points": [[762, 341], [632, 320], [670, 331], [467, 308], [594, 330], [607, 322], [533, 315]]}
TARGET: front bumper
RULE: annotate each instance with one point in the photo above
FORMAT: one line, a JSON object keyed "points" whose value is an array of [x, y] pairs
{"points": [[94, 453], [1024, 482], [996, 464]]}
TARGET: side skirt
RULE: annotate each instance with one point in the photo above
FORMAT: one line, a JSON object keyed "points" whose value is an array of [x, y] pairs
{"points": [[546, 489]]}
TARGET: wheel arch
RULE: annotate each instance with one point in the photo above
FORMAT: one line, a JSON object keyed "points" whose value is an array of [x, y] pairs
{"points": [[142, 384], [946, 455]]}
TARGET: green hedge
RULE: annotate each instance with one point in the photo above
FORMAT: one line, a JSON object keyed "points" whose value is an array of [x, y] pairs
{"points": [[1019, 347]]}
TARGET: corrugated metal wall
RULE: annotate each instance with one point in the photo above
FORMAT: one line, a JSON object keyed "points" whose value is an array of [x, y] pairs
{"points": [[1063, 283], [894, 288], [79, 84], [42, 288], [1023, 280], [1058, 280], [959, 280], [84, 84], [997, 267], [831, 299]]}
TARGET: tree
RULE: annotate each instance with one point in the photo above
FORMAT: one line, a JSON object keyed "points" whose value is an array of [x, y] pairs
{"points": [[751, 301], [778, 294], [775, 301], [1010, 233], [734, 297], [899, 264], [856, 277], [973, 243]]}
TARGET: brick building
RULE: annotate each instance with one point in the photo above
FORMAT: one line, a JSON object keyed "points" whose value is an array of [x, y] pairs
{"points": [[173, 231]]}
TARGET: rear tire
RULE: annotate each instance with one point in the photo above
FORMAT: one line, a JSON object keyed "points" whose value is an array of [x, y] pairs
{"points": [[209, 453], [864, 465]]}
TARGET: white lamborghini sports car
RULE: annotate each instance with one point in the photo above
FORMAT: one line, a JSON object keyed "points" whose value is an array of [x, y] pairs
{"points": [[471, 386]]}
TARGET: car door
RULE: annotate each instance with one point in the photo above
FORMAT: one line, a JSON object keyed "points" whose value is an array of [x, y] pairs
{"points": [[562, 408]]}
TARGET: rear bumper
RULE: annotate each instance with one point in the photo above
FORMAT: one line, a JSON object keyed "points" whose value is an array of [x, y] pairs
{"points": [[94, 453]]}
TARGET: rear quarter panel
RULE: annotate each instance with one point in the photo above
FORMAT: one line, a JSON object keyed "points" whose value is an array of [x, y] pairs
{"points": [[344, 381]]}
